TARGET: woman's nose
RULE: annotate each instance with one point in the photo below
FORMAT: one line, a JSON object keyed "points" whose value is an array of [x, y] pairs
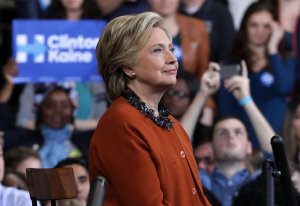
{"points": [[171, 58]]}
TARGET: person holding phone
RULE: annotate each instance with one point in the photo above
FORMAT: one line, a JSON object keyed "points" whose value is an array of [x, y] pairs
{"points": [[143, 152], [232, 146], [271, 71]]}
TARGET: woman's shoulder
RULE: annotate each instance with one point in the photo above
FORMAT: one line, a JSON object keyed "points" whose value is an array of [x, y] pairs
{"points": [[120, 109]]}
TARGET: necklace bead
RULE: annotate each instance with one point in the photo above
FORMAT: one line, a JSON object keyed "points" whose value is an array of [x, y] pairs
{"points": [[161, 120]]}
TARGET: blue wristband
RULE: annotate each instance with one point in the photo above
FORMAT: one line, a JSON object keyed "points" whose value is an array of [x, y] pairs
{"points": [[245, 100]]}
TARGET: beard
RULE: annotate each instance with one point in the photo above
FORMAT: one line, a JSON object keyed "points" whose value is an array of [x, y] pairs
{"points": [[230, 156]]}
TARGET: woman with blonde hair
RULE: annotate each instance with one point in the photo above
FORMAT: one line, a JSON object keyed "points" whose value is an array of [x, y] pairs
{"points": [[141, 150]]}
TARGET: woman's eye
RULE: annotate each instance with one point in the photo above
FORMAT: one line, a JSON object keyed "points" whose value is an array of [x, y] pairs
{"points": [[172, 49], [157, 50]]}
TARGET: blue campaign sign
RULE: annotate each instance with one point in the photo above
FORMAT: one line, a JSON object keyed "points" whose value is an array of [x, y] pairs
{"points": [[56, 50]]}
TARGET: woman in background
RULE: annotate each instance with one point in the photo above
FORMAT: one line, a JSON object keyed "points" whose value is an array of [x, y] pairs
{"points": [[271, 71], [55, 136]]}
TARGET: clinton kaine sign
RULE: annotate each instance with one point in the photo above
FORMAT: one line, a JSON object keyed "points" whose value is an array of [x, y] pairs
{"points": [[56, 50]]}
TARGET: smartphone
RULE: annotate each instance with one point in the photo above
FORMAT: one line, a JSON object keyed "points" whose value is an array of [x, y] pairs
{"points": [[228, 71]]}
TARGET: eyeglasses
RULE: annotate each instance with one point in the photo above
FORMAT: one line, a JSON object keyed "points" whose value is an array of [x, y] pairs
{"points": [[179, 93]]}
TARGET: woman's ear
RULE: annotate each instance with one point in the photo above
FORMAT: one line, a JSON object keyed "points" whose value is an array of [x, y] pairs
{"points": [[129, 72]]}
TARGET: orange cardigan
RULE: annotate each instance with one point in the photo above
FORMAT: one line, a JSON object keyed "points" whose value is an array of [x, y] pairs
{"points": [[194, 44], [145, 165]]}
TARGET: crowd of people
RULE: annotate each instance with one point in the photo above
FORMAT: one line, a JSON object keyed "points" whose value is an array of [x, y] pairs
{"points": [[162, 63]]}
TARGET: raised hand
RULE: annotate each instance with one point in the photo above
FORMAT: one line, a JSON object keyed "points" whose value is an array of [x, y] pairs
{"points": [[10, 70], [275, 38], [239, 84], [210, 81]]}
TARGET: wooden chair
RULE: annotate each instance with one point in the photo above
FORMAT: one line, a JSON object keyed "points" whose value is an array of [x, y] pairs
{"points": [[97, 192], [51, 184]]}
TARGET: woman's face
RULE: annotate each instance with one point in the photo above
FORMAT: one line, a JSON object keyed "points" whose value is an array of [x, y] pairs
{"points": [[57, 109], [296, 124], [259, 28], [155, 66], [72, 5], [164, 7], [177, 98]]}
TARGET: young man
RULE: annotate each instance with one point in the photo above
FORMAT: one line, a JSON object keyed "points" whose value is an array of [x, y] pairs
{"points": [[231, 145]]}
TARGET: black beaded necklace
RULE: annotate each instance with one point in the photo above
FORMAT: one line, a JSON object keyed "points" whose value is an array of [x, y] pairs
{"points": [[161, 120]]}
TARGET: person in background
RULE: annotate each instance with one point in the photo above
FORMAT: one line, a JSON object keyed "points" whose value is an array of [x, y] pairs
{"points": [[271, 70], [142, 151], [56, 137], [231, 145], [82, 180], [186, 100], [90, 97], [9, 195], [287, 13], [204, 155], [19, 158], [218, 22]]}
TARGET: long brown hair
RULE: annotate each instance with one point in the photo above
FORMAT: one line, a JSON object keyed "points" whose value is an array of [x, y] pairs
{"points": [[240, 49]]}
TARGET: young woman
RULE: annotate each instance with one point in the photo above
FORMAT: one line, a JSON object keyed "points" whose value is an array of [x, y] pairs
{"points": [[271, 71]]}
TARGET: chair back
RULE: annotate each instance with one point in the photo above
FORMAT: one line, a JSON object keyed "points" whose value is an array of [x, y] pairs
{"points": [[51, 184]]}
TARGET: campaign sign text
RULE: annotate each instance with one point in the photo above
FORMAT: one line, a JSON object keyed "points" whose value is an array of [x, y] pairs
{"points": [[56, 50]]}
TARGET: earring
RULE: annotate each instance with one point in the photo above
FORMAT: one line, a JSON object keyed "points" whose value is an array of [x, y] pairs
{"points": [[133, 75]]}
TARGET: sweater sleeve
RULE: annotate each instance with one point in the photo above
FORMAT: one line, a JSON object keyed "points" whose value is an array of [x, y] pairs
{"points": [[284, 73]]}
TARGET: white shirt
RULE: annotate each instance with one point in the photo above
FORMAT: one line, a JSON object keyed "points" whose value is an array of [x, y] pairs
{"points": [[10, 196]]}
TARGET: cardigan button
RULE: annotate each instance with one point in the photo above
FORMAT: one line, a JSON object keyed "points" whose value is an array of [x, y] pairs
{"points": [[182, 154], [194, 191]]}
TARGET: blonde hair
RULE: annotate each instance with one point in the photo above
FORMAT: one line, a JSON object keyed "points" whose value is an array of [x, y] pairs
{"points": [[121, 40]]}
